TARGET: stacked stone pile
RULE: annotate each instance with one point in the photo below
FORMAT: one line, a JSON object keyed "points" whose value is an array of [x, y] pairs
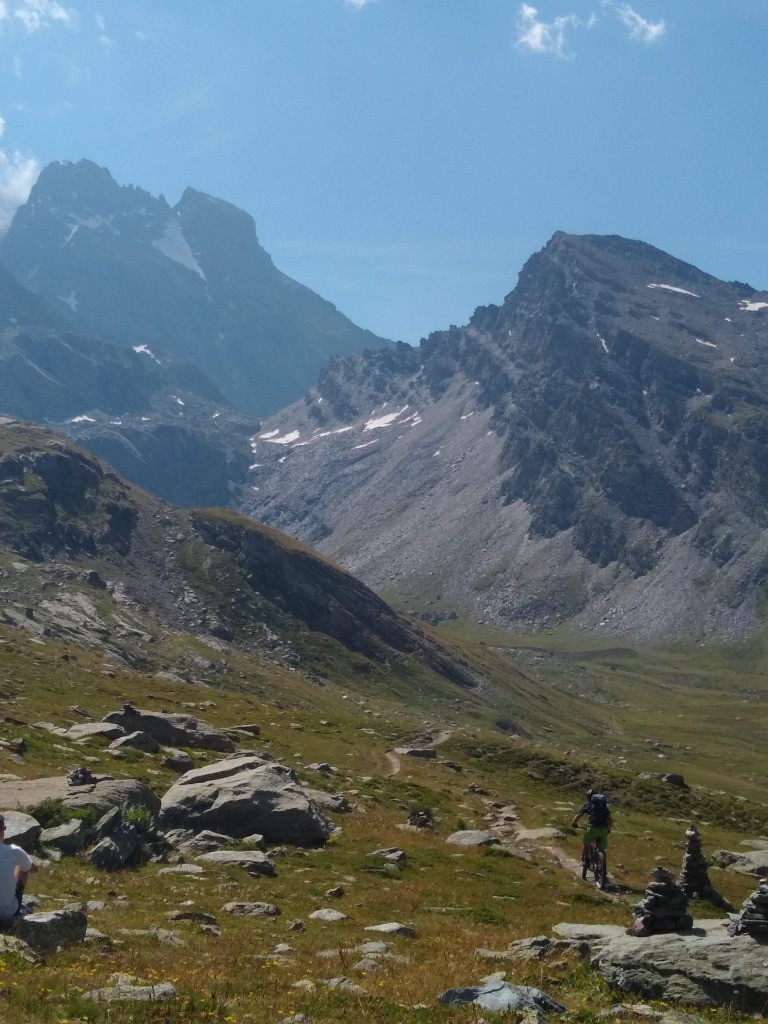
{"points": [[663, 909], [694, 876], [753, 919]]}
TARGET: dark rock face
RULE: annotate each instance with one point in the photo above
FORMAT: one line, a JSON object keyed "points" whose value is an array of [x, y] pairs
{"points": [[56, 499], [315, 591], [190, 281], [595, 449]]}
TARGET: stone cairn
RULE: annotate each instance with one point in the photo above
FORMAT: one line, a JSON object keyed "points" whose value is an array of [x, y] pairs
{"points": [[753, 919], [664, 907], [694, 876]]}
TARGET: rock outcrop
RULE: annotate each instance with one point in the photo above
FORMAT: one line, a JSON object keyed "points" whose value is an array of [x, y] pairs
{"points": [[244, 795], [173, 730], [704, 966]]}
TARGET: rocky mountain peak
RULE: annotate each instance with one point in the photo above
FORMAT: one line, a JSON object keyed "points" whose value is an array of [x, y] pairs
{"points": [[568, 455]]}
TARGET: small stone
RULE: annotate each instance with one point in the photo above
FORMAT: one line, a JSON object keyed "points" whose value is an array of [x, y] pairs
{"points": [[336, 892], [326, 914], [392, 928]]}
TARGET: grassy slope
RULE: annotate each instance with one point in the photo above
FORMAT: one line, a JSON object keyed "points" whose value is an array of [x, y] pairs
{"points": [[481, 899]]}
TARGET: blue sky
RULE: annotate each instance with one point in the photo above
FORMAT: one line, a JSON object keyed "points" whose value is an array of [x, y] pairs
{"points": [[404, 157]]}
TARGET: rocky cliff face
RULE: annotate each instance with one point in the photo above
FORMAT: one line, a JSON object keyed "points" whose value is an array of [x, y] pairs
{"points": [[191, 282], [593, 450]]}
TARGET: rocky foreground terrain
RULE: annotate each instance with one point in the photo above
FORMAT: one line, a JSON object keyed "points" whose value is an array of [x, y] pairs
{"points": [[591, 451]]}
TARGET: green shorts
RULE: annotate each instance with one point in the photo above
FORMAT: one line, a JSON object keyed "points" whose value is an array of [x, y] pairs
{"points": [[598, 833]]}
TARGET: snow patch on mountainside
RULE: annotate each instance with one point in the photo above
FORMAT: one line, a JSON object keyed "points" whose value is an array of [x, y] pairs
{"points": [[384, 421], [145, 350], [673, 288], [174, 245], [752, 307]]}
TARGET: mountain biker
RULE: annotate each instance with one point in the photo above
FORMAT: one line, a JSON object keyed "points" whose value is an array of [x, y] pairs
{"points": [[599, 818]]}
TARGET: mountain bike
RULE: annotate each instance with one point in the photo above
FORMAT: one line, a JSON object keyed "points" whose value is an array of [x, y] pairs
{"points": [[595, 862]]}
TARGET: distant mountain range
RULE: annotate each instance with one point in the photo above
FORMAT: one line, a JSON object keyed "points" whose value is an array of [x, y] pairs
{"points": [[593, 451], [189, 282], [154, 336]]}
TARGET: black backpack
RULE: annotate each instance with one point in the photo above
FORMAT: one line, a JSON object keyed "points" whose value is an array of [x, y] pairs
{"points": [[599, 815]]}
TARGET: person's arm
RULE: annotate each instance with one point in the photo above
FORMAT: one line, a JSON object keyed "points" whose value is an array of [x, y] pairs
{"points": [[582, 810], [24, 866]]}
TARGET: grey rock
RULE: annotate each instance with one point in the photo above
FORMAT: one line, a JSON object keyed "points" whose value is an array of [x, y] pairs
{"points": [[129, 989], [107, 823], [243, 795], [49, 931], [345, 985], [192, 915], [392, 928], [503, 996], [17, 946], [115, 850], [335, 892], [205, 842], [755, 863], [320, 766], [703, 967], [472, 837], [21, 829], [392, 855], [326, 914], [86, 730], [136, 741], [252, 909], [172, 729], [335, 803], [369, 948], [250, 730], [69, 838], [177, 760], [253, 861], [182, 869], [296, 926]]}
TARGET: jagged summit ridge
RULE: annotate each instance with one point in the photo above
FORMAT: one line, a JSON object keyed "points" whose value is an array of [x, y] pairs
{"points": [[191, 281]]}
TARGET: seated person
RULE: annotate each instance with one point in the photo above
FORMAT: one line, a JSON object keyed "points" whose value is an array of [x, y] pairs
{"points": [[15, 866]]}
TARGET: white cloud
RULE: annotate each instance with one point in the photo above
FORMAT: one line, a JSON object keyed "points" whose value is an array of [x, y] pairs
{"points": [[2, 126], [547, 37], [18, 173], [3, 10], [36, 14], [641, 29], [358, 4], [101, 25]]}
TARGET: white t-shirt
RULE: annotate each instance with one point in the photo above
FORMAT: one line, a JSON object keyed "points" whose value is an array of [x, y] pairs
{"points": [[10, 857]]}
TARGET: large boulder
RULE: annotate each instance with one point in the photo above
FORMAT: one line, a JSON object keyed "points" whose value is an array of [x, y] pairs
{"points": [[243, 795], [171, 730], [102, 795], [57, 928], [755, 863], [114, 850], [21, 829], [86, 730], [704, 966]]}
